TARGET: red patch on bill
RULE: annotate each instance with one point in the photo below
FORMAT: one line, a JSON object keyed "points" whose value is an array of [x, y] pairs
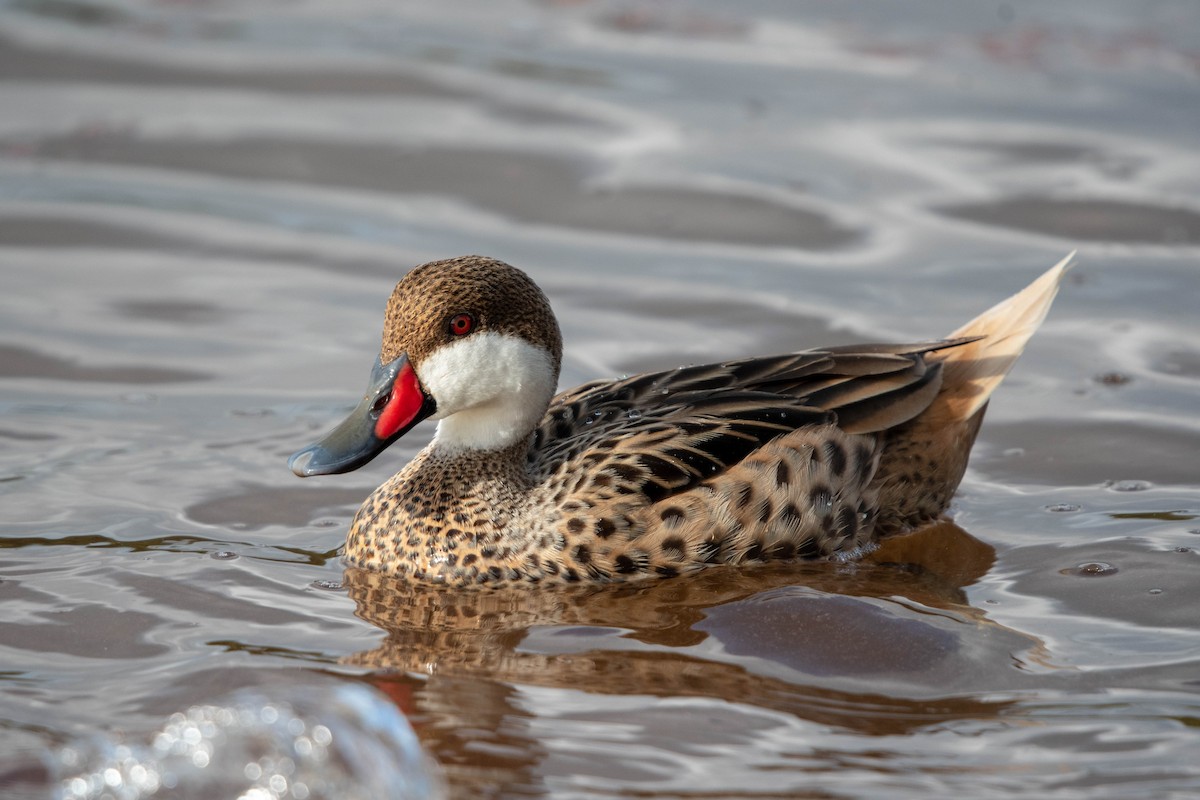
{"points": [[404, 406]]}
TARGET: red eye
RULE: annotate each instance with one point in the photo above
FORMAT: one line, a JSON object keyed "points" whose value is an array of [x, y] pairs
{"points": [[462, 324]]}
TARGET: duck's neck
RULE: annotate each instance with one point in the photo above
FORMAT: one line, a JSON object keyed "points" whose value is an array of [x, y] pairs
{"points": [[505, 423]]}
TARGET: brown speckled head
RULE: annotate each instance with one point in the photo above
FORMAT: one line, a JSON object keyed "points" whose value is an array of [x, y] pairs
{"points": [[499, 297]]}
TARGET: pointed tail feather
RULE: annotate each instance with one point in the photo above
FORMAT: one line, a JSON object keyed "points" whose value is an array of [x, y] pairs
{"points": [[971, 372], [924, 459]]}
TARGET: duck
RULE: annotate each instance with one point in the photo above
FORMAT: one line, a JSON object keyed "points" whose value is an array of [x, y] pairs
{"points": [[813, 454]]}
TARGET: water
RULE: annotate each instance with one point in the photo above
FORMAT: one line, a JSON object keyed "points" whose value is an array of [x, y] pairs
{"points": [[204, 206], [295, 739]]}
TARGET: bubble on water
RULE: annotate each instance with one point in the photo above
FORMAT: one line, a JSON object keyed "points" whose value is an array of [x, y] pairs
{"points": [[1183, 549], [327, 585], [223, 555], [1091, 569], [308, 741], [1129, 486], [1156, 591], [68, 757], [1062, 508], [191, 735]]}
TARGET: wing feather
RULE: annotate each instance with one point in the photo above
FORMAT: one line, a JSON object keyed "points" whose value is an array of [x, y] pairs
{"points": [[661, 433]]}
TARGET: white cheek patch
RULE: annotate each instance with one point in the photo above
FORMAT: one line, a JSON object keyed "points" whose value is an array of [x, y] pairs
{"points": [[491, 389]]}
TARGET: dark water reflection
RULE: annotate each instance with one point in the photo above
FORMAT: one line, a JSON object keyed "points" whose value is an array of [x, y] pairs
{"points": [[801, 641], [204, 206]]}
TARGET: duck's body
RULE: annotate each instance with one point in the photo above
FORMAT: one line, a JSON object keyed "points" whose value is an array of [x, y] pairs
{"points": [[805, 455]]}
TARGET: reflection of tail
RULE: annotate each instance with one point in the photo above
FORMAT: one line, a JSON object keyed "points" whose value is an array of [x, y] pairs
{"points": [[971, 373], [924, 459]]}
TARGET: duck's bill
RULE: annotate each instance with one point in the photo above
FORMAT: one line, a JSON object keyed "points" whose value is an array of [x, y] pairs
{"points": [[393, 404]]}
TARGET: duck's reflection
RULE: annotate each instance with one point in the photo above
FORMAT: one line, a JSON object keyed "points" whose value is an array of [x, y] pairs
{"points": [[879, 647]]}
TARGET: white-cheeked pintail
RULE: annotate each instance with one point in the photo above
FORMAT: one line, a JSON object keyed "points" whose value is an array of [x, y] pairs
{"points": [[807, 455]]}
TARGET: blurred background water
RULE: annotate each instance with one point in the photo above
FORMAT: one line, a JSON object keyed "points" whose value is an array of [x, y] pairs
{"points": [[203, 208]]}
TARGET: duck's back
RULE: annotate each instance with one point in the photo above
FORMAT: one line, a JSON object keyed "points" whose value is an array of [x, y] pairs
{"points": [[801, 455]]}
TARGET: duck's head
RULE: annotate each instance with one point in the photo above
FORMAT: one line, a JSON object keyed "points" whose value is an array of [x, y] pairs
{"points": [[469, 341]]}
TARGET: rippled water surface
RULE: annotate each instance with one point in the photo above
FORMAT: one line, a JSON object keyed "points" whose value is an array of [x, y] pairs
{"points": [[204, 205]]}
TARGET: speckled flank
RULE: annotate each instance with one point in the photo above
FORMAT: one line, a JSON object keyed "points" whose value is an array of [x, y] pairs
{"points": [[799, 456]]}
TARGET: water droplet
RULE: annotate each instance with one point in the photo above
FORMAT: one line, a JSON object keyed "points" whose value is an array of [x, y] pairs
{"points": [[1091, 569], [1059, 508], [328, 585], [633, 414], [223, 555], [1129, 486]]}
